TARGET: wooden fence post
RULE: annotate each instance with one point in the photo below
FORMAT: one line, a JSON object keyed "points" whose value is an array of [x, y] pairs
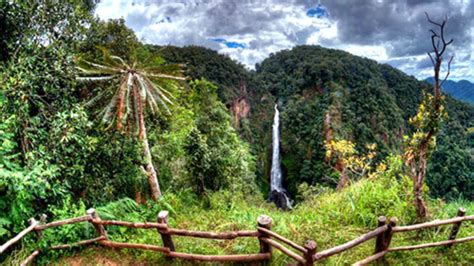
{"points": [[389, 233], [98, 227], [265, 222], [383, 240], [39, 233], [165, 236], [310, 247], [379, 242], [456, 226]]}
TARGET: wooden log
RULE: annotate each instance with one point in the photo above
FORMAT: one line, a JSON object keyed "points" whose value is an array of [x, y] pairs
{"points": [[361, 239], [282, 239], [93, 216], [456, 226], [435, 244], [79, 243], [432, 224], [383, 240], [380, 238], [39, 233], [32, 221], [63, 222], [165, 236], [43, 218], [389, 233], [222, 258], [370, 259], [265, 222], [283, 249], [18, 237], [112, 244], [30, 258], [145, 225], [211, 235], [310, 247]]}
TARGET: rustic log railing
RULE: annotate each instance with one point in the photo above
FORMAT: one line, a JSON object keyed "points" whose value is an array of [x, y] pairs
{"points": [[304, 255], [382, 244]]}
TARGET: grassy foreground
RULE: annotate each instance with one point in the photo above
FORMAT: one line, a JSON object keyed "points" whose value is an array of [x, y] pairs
{"points": [[329, 218]]}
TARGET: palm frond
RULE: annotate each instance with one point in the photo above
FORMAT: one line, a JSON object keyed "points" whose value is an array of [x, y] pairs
{"points": [[105, 67], [127, 107], [95, 78], [109, 60], [164, 76], [138, 87], [156, 90], [152, 61], [108, 111], [136, 109], [91, 71], [103, 94], [120, 60], [151, 98], [121, 99], [162, 103], [159, 90], [164, 90], [169, 69]]}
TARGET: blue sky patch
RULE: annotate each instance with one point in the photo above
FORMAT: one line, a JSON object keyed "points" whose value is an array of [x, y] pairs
{"points": [[229, 44], [319, 11]]}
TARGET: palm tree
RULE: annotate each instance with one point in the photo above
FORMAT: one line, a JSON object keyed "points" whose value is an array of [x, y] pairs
{"points": [[133, 91]]}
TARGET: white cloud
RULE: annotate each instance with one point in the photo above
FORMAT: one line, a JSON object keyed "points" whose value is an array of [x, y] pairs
{"points": [[264, 27]]}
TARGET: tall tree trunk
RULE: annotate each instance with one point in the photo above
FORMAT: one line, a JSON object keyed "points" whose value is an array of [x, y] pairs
{"points": [[418, 170], [344, 178], [149, 168]]}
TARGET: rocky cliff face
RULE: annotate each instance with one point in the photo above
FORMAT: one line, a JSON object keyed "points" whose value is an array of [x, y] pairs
{"points": [[240, 108]]}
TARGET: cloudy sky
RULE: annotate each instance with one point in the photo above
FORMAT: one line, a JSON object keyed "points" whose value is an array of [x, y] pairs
{"points": [[389, 31]]}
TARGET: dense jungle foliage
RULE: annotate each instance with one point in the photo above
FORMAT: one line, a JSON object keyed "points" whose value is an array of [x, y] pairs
{"points": [[367, 101], [212, 151]]}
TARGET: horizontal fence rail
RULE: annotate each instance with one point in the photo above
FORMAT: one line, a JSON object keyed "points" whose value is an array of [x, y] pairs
{"points": [[145, 225], [348, 245], [211, 235], [383, 241], [432, 224], [304, 255], [63, 222]]}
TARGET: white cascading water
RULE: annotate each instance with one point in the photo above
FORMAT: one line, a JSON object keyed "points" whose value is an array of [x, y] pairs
{"points": [[275, 174], [276, 182]]}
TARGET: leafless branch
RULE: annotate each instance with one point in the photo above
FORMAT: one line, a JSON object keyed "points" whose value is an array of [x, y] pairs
{"points": [[449, 70], [431, 58], [431, 21]]}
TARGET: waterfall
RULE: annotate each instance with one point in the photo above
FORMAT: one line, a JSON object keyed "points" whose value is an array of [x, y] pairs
{"points": [[277, 192], [275, 174]]}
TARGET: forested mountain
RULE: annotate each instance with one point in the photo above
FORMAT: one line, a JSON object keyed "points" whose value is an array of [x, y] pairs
{"points": [[462, 90], [329, 94]]}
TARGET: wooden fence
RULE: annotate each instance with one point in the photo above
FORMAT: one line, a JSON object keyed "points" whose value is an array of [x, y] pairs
{"points": [[268, 239]]}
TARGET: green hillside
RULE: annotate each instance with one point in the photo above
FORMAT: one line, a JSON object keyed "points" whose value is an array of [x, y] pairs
{"points": [[368, 102]]}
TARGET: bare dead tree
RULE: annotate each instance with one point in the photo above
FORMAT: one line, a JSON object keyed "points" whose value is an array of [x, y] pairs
{"points": [[439, 44], [430, 119]]}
